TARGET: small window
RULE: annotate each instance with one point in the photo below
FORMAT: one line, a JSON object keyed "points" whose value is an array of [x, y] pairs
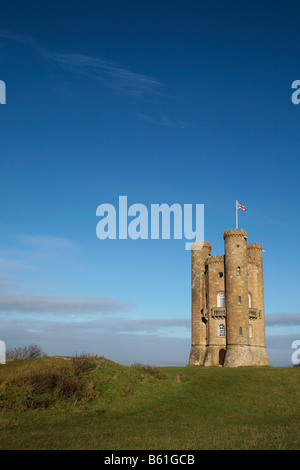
{"points": [[221, 300], [238, 271], [250, 331], [240, 331], [238, 246], [220, 274], [221, 330], [240, 299]]}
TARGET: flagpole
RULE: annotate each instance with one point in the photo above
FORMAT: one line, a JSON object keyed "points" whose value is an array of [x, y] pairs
{"points": [[236, 215]]}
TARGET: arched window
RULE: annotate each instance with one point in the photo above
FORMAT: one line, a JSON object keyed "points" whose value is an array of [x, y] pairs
{"points": [[249, 300], [221, 329], [238, 271], [240, 299], [250, 331], [221, 300], [240, 331]]}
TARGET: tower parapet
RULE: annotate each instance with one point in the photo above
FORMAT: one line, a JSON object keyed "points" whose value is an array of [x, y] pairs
{"points": [[255, 252], [201, 246], [235, 233], [215, 259]]}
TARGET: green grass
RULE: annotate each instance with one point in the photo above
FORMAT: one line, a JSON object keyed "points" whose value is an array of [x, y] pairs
{"points": [[54, 403]]}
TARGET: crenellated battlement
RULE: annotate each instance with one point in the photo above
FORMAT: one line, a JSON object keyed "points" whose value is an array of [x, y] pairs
{"points": [[254, 252], [215, 259], [255, 246], [200, 245], [235, 233]]}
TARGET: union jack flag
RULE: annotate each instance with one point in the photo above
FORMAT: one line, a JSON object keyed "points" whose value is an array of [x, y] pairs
{"points": [[240, 206]]}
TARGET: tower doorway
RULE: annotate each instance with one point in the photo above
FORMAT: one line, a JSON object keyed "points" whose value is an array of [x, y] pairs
{"points": [[222, 356]]}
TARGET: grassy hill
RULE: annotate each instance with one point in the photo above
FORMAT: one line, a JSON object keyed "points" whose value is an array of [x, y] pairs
{"points": [[94, 403]]}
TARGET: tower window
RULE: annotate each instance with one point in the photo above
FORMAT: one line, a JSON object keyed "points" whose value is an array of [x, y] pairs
{"points": [[250, 331], [220, 274], [240, 331], [221, 300], [221, 330], [240, 299], [238, 271]]}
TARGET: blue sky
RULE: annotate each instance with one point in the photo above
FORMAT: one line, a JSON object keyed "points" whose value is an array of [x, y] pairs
{"points": [[182, 102]]}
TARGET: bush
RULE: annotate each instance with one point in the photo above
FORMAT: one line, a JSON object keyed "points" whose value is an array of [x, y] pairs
{"points": [[150, 370], [41, 381], [40, 385], [67, 387], [81, 363], [27, 352]]}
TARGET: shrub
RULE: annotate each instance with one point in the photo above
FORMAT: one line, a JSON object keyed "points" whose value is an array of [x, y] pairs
{"points": [[41, 381], [150, 370], [31, 351], [67, 387], [81, 363], [181, 378]]}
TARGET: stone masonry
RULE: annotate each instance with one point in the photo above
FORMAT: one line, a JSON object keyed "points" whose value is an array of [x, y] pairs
{"points": [[228, 320]]}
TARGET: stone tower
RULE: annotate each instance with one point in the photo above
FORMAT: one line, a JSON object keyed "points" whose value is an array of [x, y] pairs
{"points": [[228, 322], [200, 254]]}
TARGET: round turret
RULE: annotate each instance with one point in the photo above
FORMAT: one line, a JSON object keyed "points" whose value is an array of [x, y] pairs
{"points": [[255, 253], [236, 287], [200, 253]]}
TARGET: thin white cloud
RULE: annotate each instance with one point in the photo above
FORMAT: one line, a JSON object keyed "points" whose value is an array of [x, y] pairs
{"points": [[10, 265], [144, 325], [20, 38], [94, 325], [46, 242], [163, 121], [283, 319], [33, 303], [107, 72], [36, 249]]}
